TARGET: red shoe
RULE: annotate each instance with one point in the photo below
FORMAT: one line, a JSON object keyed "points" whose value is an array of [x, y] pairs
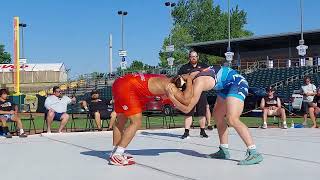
{"points": [[128, 156], [120, 160]]}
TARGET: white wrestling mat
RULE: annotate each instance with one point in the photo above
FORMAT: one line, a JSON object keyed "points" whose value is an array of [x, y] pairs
{"points": [[160, 155]]}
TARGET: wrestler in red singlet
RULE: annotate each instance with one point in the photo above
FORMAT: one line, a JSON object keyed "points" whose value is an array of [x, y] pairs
{"points": [[130, 93]]}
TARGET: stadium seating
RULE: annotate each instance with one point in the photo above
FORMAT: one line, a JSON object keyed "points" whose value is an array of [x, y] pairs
{"points": [[265, 77]]}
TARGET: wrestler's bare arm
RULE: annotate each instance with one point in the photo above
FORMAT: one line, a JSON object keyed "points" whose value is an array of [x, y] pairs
{"points": [[194, 100], [199, 85], [185, 96], [179, 95]]}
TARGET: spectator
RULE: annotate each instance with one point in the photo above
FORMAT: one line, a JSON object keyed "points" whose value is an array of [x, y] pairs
{"points": [[100, 109], [271, 106], [56, 106], [314, 109], [308, 90], [200, 107], [9, 112]]}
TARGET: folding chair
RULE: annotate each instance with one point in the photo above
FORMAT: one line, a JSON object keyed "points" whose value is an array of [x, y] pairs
{"points": [[168, 111], [154, 109], [25, 109], [74, 110], [44, 127], [276, 119], [91, 121]]}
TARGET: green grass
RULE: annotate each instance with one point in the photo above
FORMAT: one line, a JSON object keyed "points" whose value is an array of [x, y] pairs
{"points": [[155, 122]]}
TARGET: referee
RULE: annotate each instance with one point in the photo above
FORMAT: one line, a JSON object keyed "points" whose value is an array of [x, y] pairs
{"points": [[200, 108]]}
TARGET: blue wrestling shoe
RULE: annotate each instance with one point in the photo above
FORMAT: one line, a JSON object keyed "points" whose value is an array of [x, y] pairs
{"points": [[223, 153], [253, 157]]}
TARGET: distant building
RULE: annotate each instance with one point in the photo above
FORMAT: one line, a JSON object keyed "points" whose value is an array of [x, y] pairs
{"points": [[34, 77]]}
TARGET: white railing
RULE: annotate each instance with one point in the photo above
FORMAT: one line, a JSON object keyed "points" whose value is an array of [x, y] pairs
{"points": [[280, 63], [295, 77]]}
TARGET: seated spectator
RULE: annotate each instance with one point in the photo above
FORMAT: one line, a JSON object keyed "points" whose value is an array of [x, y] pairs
{"points": [[314, 108], [100, 109], [271, 106], [9, 112], [56, 106]]}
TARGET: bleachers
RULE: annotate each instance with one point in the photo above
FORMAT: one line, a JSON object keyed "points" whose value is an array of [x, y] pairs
{"points": [[266, 77], [287, 90], [105, 92]]}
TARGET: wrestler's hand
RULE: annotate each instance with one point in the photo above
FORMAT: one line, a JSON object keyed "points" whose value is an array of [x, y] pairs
{"points": [[193, 74], [206, 69], [190, 75], [185, 76]]}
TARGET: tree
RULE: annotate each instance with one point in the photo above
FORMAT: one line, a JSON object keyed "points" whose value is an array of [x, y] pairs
{"points": [[5, 57], [201, 20], [180, 37], [136, 65], [96, 75]]}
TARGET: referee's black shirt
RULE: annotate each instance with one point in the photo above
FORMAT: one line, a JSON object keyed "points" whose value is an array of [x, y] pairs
{"points": [[187, 68]]}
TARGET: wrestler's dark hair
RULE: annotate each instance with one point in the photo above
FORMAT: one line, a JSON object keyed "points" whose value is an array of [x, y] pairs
{"points": [[177, 80]]}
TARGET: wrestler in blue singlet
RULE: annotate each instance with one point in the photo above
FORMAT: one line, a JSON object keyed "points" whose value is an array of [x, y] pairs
{"points": [[229, 83]]}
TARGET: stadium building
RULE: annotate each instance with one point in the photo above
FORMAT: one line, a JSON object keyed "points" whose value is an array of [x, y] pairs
{"points": [[277, 50]]}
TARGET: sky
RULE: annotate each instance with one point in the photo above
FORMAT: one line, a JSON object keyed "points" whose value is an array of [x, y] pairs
{"points": [[76, 32]]}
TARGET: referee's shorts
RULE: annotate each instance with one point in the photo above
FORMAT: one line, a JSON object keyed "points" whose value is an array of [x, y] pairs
{"points": [[200, 108]]}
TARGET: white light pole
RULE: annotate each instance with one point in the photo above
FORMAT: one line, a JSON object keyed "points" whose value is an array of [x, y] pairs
{"points": [[301, 22], [122, 52], [110, 54], [229, 54], [22, 25], [170, 48], [302, 49]]}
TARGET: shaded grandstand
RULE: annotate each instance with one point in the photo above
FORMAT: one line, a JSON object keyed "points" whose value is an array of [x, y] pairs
{"points": [[285, 80]]}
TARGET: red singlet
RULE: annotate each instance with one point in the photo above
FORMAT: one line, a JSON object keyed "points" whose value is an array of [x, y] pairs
{"points": [[130, 93]]}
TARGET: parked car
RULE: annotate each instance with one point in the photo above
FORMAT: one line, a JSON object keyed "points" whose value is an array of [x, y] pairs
{"points": [[158, 103]]}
